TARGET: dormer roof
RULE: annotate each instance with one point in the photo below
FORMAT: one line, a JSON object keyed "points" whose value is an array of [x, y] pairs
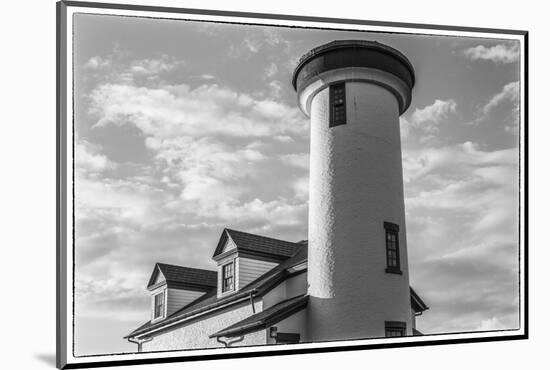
{"points": [[183, 277], [257, 245]]}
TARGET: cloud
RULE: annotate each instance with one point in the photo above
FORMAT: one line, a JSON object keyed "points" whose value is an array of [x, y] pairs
{"points": [[509, 94], [503, 107], [501, 53], [120, 66], [216, 179], [208, 77], [301, 187], [300, 160], [275, 88], [426, 121], [491, 324], [255, 42], [462, 217], [283, 138], [252, 45], [178, 110], [457, 160], [126, 203], [434, 113], [209, 172], [271, 70], [207, 143], [155, 66], [88, 158], [97, 62]]}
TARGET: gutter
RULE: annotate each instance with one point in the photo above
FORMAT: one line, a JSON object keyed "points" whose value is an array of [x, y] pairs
{"points": [[234, 299], [139, 342], [201, 311], [252, 293], [228, 344], [262, 323], [248, 327]]}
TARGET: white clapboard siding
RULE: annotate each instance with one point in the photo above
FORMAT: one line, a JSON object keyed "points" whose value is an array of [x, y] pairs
{"points": [[160, 277], [229, 245], [251, 269], [177, 298]]}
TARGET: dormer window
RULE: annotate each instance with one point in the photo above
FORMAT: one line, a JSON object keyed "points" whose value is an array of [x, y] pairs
{"points": [[242, 258], [228, 277], [159, 305]]}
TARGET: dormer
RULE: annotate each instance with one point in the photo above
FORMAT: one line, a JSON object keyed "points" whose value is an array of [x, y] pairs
{"points": [[173, 287], [242, 258]]}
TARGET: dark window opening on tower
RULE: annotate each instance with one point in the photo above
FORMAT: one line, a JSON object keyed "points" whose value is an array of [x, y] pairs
{"points": [[392, 248], [395, 329], [337, 94]]}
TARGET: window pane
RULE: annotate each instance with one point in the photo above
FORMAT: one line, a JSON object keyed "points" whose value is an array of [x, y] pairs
{"points": [[392, 252], [394, 332], [337, 97], [159, 305], [227, 273]]}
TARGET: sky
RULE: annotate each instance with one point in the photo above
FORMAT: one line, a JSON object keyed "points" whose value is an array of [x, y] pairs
{"points": [[183, 128]]}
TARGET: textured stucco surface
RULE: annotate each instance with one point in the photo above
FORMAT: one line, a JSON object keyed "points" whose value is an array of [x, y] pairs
{"points": [[194, 334], [291, 287], [355, 185], [295, 323]]}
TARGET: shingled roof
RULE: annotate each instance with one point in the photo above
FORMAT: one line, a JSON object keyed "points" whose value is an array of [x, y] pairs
{"points": [[184, 276], [417, 303], [257, 244], [210, 300], [266, 318], [296, 255]]}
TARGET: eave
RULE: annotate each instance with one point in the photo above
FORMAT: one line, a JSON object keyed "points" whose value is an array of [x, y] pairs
{"points": [[266, 318], [258, 291]]}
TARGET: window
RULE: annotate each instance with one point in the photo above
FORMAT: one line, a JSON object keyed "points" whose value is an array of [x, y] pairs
{"points": [[392, 248], [159, 305], [287, 338], [337, 94], [395, 329], [228, 280]]}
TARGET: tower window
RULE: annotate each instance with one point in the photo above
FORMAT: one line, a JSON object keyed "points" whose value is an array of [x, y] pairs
{"points": [[159, 305], [392, 248], [395, 329], [337, 94], [228, 280]]}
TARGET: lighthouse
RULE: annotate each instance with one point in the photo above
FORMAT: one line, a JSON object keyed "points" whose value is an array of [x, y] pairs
{"points": [[354, 91]]}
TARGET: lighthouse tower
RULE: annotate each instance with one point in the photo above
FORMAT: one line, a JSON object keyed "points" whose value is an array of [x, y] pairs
{"points": [[358, 282]]}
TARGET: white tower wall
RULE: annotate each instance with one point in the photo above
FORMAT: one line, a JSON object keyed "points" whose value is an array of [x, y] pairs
{"points": [[356, 184]]}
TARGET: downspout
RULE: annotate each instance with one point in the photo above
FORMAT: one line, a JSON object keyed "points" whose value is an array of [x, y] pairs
{"points": [[139, 342], [252, 293], [229, 343]]}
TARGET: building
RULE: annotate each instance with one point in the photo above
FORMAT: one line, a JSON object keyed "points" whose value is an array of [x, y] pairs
{"points": [[350, 280]]}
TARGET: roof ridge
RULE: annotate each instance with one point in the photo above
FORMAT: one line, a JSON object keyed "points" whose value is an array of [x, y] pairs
{"points": [[260, 236], [184, 267]]}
